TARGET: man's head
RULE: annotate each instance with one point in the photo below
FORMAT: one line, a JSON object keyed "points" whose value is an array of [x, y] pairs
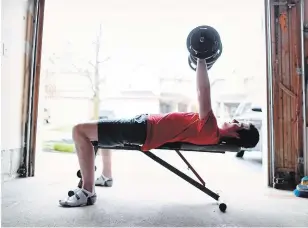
{"points": [[241, 134]]}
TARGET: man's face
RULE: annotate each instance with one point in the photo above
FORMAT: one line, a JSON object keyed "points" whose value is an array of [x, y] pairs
{"points": [[234, 125], [230, 125]]}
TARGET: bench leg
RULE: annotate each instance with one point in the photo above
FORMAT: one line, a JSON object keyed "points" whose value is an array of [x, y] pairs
{"points": [[190, 167], [190, 180]]}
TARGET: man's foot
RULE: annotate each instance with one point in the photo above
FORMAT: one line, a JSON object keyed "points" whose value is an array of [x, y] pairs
{"points": [[104, 181], [100, 181], [72, 192], [81, 198]]}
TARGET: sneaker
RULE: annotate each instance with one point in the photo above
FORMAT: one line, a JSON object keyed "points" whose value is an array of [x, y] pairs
{"points": [[73, 192], [103, 181], [100, 181], [81, 198]]}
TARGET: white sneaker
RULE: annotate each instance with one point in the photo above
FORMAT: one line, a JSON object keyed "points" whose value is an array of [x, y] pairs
{"points": [[81, 198], [103, 181], [100, 181], [72, 192]]}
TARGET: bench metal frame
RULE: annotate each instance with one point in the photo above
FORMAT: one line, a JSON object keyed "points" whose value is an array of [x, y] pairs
{"points": [[221, 148]]}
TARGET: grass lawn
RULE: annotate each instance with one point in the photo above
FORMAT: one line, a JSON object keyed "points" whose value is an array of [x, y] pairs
{"points": [[59, 146]]}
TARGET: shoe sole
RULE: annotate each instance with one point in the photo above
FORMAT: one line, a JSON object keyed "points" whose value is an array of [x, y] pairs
{"points": [[106, 184]]}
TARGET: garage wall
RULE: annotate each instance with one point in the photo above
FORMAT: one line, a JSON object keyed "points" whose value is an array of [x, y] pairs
{"points": [[286, 77], [306, 75], [16, 28]]}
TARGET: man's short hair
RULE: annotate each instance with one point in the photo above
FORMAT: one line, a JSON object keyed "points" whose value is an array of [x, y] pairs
{"points": [[249, 137]]}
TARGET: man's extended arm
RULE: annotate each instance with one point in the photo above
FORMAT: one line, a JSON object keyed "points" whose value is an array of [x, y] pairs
{"points": [[203, 89]]}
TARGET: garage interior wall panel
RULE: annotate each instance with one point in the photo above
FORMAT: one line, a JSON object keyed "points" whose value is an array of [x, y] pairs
{"points": [[287, 87], [16, 35]]}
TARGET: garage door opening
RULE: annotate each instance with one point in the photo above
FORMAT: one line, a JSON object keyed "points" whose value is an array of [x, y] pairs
{"points": [[114, 59], [118, 59]]}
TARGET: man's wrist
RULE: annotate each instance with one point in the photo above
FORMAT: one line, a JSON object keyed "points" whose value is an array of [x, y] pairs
{"points": [[201, 60]]}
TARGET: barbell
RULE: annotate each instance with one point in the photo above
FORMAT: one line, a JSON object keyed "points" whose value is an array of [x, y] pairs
{"points": [[203, 42]]}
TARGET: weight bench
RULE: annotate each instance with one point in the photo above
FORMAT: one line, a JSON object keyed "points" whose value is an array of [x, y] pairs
{"points": [[177, 146]]}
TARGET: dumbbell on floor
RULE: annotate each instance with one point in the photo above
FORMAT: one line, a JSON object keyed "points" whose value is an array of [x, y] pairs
{"points": [[71, 192], [79, 173]]}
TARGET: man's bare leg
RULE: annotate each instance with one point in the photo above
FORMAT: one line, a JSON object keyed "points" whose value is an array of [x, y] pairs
{"points": [[106, 156], [105, 179], [83, 134]]}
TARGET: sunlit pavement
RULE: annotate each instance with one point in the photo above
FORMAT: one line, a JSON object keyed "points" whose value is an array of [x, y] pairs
{"points": [[146, 194]]}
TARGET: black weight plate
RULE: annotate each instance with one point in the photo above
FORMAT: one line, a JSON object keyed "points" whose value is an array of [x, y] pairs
{"points": [[210, 49], [202, 41], [191, 63], [196, 30], [188, 39]]}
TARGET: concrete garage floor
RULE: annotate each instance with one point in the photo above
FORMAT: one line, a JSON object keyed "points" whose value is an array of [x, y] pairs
{"points": [[145, 194]]}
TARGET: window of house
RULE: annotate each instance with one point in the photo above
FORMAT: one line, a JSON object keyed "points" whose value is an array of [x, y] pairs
{"points": [[165, 107], [182, 107]]}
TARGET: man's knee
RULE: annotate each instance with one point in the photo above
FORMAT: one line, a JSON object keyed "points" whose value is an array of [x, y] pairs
{"points": [[85, 130], [77, 131]]}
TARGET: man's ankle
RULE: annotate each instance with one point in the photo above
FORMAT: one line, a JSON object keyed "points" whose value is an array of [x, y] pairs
{"points": [[106, 176], [89, 188]]}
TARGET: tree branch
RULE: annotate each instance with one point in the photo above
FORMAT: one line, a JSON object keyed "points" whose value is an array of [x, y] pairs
{"points": [[91, 64], [105, 60], [86, 73]]}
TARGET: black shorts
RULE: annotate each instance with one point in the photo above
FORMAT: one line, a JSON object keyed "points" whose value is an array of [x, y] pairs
{"points": [[117, 132]]}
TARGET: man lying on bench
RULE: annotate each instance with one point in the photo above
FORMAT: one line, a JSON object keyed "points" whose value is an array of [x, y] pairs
{"points": [[154, 130]]}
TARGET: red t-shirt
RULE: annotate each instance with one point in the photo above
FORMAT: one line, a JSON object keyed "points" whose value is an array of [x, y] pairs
{"points": [[181, 127]]}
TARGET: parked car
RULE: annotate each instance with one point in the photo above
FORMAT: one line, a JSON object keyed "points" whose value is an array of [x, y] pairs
{"points": [[249, 111], [106, 114]]}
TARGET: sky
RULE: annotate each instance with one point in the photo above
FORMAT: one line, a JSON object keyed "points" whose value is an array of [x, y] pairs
{"points": [[153, 34]]}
